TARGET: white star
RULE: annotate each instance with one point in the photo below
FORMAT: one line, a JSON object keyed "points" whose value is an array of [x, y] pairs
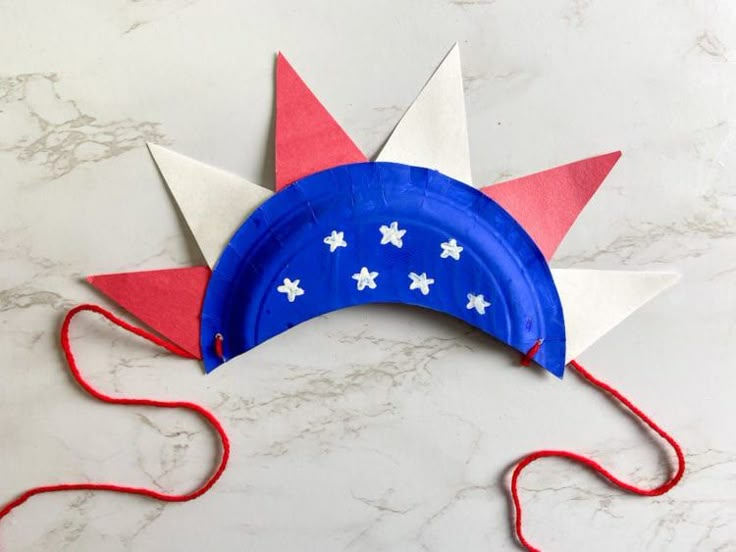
{"points": [[391, 234], [477, 302], [450, 248], [365, 278], [420, 282], [335, 240], [291, 289]]}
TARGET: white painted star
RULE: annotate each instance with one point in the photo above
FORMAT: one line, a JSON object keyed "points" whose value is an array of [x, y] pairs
{"points": [[450, 248], [335, 240], [291, 289], [391, 234], [477, 302], [365, 278], [420, 282]]}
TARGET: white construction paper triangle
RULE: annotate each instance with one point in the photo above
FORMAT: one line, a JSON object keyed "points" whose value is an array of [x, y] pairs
{"points": [[594, 301], [433, 132], [213, 202]]}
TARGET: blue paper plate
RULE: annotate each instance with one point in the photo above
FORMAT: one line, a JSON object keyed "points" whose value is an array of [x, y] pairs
{"points": [[247, 300]]}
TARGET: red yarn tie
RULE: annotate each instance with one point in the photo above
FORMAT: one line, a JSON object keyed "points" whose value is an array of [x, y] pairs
{"points": [[592, 464], [217, 426], [151, 493], [526, 360], [219, 347]]}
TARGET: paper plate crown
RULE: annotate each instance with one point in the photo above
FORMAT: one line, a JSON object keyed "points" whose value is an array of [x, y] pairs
{"points": [[407, 228]]}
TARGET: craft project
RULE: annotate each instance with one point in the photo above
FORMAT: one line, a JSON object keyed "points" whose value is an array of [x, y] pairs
{"points": [[407, 228]]}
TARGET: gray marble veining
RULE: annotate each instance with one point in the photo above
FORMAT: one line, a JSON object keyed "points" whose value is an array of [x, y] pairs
{"points": [[376, 428]]}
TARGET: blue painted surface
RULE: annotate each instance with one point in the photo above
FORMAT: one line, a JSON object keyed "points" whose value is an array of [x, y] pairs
{"points": [[284, 239]]}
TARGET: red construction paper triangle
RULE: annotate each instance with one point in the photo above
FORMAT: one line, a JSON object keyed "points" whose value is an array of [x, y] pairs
{"points": [[308, 139], [169, 301], [547, 203]]}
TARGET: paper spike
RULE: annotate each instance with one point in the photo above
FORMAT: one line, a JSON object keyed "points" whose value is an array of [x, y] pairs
{"points": [[169, 301], [214, 203], [308, 139], [433, 132], [594, 301], [547, 203]]}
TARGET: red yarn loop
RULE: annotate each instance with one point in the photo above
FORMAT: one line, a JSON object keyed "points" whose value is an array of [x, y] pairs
{"points": [[526, 360], [592, 464], [77, 375], [219, 339], [225, 442]]}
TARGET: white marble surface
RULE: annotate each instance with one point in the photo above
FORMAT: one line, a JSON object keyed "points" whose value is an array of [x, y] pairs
{"points": [[375, 428]]}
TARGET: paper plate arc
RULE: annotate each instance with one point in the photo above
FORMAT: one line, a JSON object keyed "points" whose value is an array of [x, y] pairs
{"points": [[388, 233], [407, 228]]}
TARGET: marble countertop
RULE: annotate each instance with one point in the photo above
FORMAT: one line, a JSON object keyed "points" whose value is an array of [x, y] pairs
{"points": [[376, 428]]}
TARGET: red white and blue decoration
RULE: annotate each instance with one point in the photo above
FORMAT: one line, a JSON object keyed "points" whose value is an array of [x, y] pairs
{"points": [[408, 227]]}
